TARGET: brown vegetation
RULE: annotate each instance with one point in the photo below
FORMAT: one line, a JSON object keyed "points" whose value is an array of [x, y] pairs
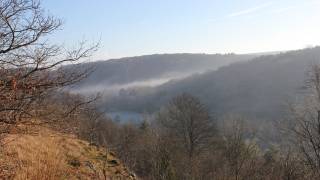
{"points": [[29, 66], [159, 148], [51, 155], [41, 126]]}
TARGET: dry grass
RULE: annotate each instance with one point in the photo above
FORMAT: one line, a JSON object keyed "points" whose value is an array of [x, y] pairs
{"points": [[50, 155]]}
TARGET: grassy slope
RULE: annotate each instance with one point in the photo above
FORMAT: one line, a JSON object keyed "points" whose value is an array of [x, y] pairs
{"points": [[51, 155]]}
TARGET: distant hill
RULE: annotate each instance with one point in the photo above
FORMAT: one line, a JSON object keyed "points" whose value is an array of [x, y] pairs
{"points": [[150, 70], [258, 88]]}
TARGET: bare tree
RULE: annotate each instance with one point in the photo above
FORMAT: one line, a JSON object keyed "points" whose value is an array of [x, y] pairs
{"points": [[304, 124], [67, 112], [239, 150], [92, 122], [30, 66], [187, 120]]}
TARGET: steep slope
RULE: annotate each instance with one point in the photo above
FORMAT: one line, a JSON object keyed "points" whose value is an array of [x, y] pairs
{"points": [[52, 155]]}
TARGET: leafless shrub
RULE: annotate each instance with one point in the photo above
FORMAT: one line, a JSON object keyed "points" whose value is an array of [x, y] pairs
{"points": [[187, 121], [305, 124], [29, 66]]}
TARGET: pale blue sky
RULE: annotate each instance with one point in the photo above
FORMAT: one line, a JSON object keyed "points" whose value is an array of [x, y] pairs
{"points": [[139, 27]]}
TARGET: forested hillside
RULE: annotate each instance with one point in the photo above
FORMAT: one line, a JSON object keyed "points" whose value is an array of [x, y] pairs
{"points": [[150, 70], [259, 88]]}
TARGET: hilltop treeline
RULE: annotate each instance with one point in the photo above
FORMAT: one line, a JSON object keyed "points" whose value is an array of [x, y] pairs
{"points": [[258, 89]]}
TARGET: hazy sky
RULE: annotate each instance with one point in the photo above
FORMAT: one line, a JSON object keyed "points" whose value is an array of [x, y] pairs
{"points": [[138, 27]]}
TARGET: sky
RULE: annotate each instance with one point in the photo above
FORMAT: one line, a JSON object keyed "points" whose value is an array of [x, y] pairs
{"points": [[139, 27]]}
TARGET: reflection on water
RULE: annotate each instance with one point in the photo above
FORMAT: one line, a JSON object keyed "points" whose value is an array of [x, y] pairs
{"points": [[125, 116]]}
